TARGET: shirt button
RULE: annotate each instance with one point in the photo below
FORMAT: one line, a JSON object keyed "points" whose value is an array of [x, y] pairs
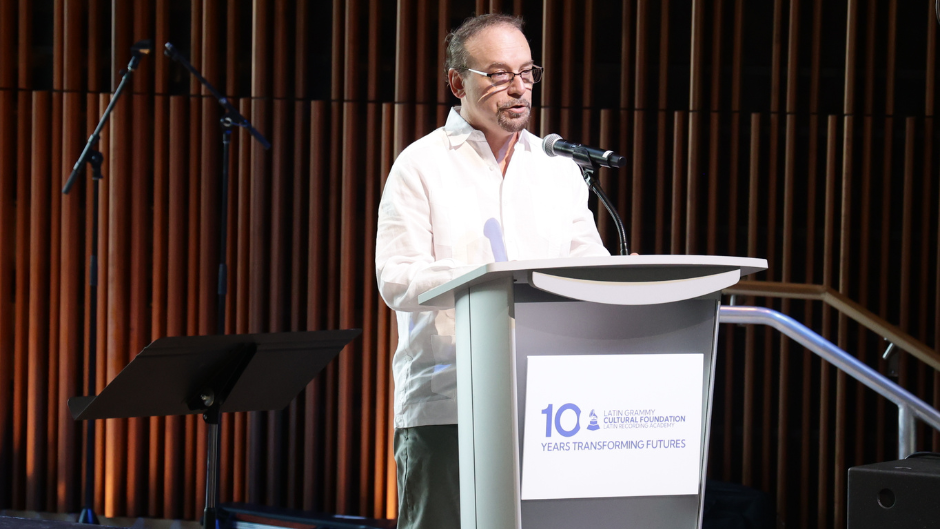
{"points": [[492, 168]]}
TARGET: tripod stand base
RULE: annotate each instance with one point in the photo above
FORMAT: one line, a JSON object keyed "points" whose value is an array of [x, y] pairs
{"points": [[88, 516]]}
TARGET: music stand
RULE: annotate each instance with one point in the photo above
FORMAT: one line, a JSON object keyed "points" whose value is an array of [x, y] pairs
{"points": [[213, 375]]}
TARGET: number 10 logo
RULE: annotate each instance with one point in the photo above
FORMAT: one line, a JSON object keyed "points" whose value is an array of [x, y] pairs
{"points": [[547, 412]]}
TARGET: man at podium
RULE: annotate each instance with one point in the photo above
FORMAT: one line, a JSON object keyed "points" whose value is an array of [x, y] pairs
{"points": [[477, 190]]}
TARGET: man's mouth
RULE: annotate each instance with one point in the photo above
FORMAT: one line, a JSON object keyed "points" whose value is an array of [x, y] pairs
{"points": [[517, 107]]}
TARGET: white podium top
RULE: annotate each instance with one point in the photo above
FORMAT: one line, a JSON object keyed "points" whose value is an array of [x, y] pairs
{"points": [[619, 280]]}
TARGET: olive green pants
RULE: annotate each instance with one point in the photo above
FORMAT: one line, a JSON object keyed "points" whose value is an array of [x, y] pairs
{"points": [[428, 477]]}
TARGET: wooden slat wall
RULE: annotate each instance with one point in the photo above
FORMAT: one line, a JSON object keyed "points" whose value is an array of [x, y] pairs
{"points": [[749, 130]]}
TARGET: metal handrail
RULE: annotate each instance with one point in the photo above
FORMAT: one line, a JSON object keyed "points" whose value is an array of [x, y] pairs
{"points": [[842, 303], [909, 406]]}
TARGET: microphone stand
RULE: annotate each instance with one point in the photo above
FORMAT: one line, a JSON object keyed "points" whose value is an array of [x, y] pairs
{"points": [[588, 169], [91, 155], [230, 119]]}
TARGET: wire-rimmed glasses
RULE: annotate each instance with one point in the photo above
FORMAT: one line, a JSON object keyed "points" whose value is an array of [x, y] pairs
{"points": [[529, 76]]}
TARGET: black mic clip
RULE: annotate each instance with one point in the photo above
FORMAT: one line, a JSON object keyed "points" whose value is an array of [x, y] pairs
{"points": [[138, 50]]}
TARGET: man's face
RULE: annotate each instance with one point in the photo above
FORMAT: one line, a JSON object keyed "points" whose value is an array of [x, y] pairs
{"points": [[496, 109]]}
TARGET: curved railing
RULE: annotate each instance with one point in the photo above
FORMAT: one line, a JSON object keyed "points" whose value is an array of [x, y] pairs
{"points": [[909, 406], [839, 301]]}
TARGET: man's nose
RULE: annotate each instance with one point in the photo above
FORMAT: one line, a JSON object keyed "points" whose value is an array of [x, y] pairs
{"points": [[516, 86]]}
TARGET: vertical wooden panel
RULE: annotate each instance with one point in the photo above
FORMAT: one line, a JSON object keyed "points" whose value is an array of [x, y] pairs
{"points": [[385, 348], [21, 323], [159, 315], [747, 470], [298, 288], [887, 170], [626, 122], [8, 43], [118, 289], [783, 395], [626, 52], [549, 46], [866, 235], [74, 274], [812, 158], [154, 483], [95, 44], [140, 259], [696, 97], [316, 275], [25, 31], [587, 73], [367, 412], [332, 465], [242, 292], [279, 251], [190, 434], [345, 430], [38, 300], [177, 191], [844, 256], [604, 221], [829, 231], [8, 307], [444, 97], [104, 230], [641, 104], [729, 386], [55, 280], [679, 157], [259, 213], [931, 84]]}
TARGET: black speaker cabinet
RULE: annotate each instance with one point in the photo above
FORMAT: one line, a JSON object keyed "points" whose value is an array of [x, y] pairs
{"points": [[895, 495]]}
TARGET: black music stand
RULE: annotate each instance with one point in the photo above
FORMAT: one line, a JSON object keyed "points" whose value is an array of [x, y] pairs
{"points": [[213, 375]]}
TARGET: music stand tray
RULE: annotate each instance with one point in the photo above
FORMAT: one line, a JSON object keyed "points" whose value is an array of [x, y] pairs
{"points": [[212, 375]]}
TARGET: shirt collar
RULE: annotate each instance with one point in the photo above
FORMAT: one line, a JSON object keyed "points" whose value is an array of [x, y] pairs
{"points": [[459, 131]]}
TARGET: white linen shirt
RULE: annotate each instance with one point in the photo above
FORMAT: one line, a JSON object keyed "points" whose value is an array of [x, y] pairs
{"points": [[439, 193]]}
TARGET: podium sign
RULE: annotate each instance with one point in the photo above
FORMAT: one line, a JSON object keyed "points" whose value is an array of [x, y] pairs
{"points": [[602, 426]]}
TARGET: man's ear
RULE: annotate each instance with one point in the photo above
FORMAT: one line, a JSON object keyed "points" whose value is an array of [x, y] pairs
{"points": [[455, 81]]}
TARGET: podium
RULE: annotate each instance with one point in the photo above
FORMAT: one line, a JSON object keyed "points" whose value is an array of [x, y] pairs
{"points": [[585, 388]]}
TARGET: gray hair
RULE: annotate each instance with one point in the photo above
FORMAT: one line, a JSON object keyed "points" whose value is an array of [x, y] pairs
{"points": [[455, 54]]}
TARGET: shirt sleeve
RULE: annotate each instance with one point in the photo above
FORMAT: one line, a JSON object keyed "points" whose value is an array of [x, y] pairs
{"points": [[585, 240], [405, 265]]}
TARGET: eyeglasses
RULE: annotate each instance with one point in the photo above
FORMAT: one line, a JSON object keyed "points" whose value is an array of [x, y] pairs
{"points": [[529, 76]]}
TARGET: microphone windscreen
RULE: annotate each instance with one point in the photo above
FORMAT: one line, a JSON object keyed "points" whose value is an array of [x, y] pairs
{"points": [[548, 144]]}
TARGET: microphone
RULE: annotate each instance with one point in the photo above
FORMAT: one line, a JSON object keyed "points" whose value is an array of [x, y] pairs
{"points": [[139, 49], [170, 52], [553, 145]]}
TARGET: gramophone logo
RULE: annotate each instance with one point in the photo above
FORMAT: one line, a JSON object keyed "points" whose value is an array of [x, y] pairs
{"points": [[593, 426]]}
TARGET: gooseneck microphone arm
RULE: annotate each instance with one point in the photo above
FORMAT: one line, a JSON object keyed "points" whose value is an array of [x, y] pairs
{"points": [[590, 160], [589, 168]]}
